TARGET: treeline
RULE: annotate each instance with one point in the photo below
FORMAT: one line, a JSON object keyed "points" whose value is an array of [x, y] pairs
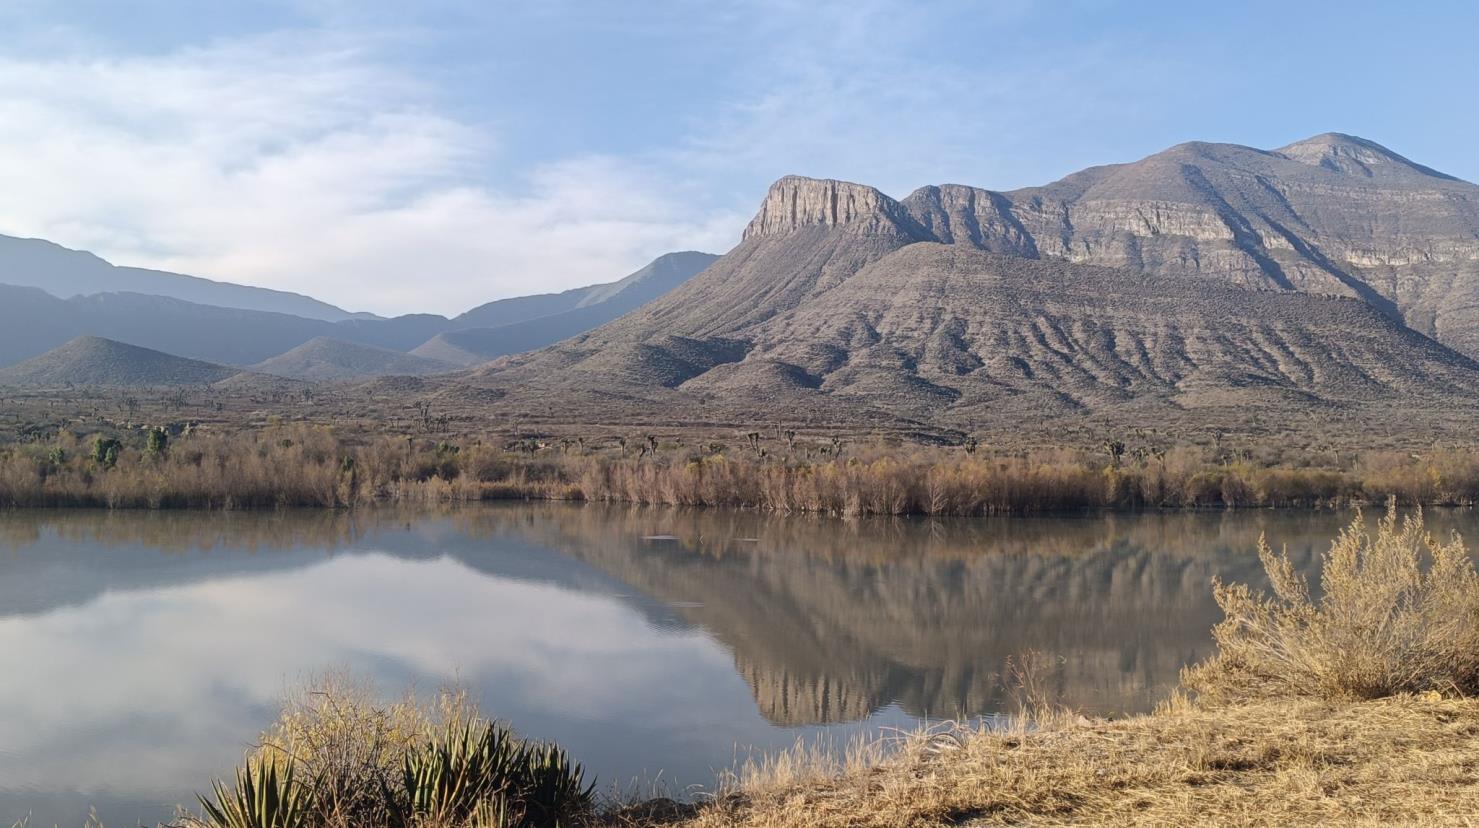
{"points": [[312, 466]]}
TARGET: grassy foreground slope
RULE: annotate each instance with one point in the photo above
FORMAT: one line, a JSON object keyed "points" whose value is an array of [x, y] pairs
{"points": [[1404, 760]]}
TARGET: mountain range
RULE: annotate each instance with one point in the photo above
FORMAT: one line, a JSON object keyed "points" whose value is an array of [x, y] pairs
{"points": [[33, 321], [65, 273], [1329, 277], [1329, 274]]}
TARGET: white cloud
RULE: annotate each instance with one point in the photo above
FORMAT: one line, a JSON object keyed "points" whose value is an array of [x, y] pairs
{"points": [[304, 165]]}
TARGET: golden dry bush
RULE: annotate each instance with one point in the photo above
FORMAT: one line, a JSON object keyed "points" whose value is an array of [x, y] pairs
{"points": [[1397, 611]]}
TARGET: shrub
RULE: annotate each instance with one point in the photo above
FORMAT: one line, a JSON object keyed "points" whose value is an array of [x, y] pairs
{"points": [[401, 765], [105, 451], [1398, 612], [157, 442]]}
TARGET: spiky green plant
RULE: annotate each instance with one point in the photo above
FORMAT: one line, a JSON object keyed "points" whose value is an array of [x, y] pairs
{"points": [[267, 794], [471, 765], [480, 773], [553, 790]]}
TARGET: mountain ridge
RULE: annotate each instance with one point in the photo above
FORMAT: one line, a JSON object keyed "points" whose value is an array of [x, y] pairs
{"points": [[96, 361], [1174, 282], [64, 272], [33, 321], [326, 359], [583, 309]]}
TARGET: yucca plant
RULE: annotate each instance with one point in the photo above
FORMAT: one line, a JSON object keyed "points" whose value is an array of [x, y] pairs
{"points": [[553, 790], [481, 774], [473, 764], [268, 794]]}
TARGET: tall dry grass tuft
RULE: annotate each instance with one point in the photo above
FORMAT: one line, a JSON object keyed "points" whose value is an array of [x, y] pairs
{"points": [[808, 762], [1398, 612]]}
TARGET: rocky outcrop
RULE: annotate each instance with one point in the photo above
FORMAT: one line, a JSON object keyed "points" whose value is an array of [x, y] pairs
{"points": [[796, 202], [1333, 214]]}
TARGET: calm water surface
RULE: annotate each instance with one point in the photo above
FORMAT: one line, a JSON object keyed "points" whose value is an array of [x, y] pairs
{"points": [[140, 654]]}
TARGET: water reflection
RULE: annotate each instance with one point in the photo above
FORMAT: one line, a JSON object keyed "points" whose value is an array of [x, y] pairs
{"points": [[140, 653]]}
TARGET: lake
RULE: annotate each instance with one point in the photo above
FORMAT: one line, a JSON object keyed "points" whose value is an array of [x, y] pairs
{"points": [[142, 653]]}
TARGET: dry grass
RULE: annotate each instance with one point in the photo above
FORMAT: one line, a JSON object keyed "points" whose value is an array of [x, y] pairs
{"points": [[302, 465], [1398, 612], [1396, 761], [358, 762], [339, 734]]}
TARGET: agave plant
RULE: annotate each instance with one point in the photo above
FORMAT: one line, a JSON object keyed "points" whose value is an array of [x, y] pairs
{"points": [[453, 776], [553, 790], [481, 774], [267, 795]]}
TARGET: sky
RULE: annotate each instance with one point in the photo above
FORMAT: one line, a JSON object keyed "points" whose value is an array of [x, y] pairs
{"points": [[401, 157]]}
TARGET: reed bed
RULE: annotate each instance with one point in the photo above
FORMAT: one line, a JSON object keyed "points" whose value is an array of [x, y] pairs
{"points": [[313, 466]]}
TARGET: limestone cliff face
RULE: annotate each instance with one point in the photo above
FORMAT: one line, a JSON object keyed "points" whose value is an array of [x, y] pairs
{"points": [[1333, 214], [795, 202]]}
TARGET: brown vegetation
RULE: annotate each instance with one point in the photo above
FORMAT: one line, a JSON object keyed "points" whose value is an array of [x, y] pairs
{"points": [[301, 465], [1397, 761], [1398, 612]]}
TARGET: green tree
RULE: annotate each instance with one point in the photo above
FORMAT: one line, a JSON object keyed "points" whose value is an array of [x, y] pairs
{"points": [[158, 442], [105, 451]]}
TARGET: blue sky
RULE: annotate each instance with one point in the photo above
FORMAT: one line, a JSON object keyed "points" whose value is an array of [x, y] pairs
{"points": [[400, 157]]}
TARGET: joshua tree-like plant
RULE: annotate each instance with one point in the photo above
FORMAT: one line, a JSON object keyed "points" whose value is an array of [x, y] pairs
{"points": [[157, 441]]}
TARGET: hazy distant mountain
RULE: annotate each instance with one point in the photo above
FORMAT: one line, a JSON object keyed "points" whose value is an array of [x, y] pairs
{"points": [[33, 321], [91, 360], [957, 305], [323, 358], [578, 311], [66, 273], [661, 275]]}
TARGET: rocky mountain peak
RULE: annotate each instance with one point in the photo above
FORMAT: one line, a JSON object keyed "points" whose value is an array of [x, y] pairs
{"points": [[796, 202], [1353, 156]]}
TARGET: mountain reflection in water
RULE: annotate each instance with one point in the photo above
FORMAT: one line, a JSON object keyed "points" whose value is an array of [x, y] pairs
{"points": [[142, 652]]}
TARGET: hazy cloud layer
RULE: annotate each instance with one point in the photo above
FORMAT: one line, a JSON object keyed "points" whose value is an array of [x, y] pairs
{"points": [[281, 163]]}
